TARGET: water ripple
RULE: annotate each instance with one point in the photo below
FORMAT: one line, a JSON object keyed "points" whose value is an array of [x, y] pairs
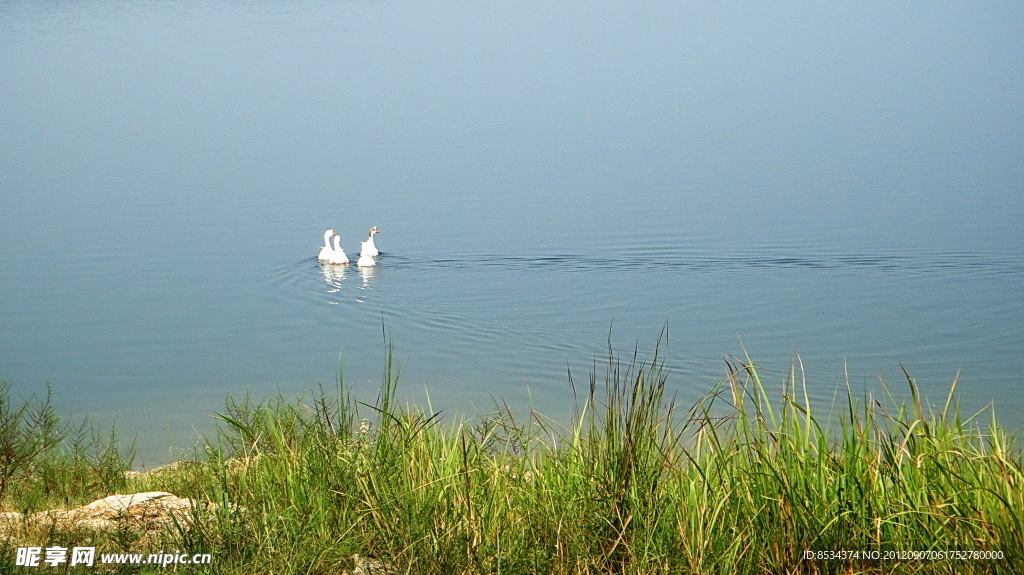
{"points": [[664, 259]]}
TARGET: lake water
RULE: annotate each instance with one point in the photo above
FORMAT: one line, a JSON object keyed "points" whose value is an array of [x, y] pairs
{"points": [[841, 182]]}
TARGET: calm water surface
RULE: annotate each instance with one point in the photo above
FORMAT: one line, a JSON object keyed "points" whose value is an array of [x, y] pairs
{"points": [[844, 183]]}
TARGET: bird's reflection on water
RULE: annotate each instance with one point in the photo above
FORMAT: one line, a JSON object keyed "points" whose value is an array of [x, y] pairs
{"points": [[369, 277], [335, 275]]}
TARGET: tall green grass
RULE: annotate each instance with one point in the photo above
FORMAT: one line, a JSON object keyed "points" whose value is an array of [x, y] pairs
{"points": [[748, 480], [44, 458]]}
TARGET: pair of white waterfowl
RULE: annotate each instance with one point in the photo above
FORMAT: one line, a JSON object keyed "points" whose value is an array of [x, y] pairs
{"points": [[336, 255]]}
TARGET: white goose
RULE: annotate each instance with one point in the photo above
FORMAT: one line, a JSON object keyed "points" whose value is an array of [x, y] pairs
{"points": [[367, 248], [338, 257], [365, 261], [325, 250]]}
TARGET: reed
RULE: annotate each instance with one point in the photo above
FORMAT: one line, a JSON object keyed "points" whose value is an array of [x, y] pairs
{"points": [[44, 458], [746, 481]]}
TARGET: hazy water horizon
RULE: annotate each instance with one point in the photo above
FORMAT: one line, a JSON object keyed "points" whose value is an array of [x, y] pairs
{"points": [[845, 183]]}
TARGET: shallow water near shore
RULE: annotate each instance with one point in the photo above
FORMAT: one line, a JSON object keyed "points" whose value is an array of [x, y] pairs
{"points": [[845, 184]]}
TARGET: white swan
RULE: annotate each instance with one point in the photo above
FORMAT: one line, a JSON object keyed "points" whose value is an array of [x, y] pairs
{"points": [[365, 261], [326, 251], [338, 257], [367, 248]]}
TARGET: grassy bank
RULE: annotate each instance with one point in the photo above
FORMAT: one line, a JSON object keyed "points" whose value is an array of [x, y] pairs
{"points": [[747, 481]]}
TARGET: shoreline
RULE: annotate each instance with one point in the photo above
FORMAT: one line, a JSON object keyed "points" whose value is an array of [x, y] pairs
{"points": [[746, 480]]}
